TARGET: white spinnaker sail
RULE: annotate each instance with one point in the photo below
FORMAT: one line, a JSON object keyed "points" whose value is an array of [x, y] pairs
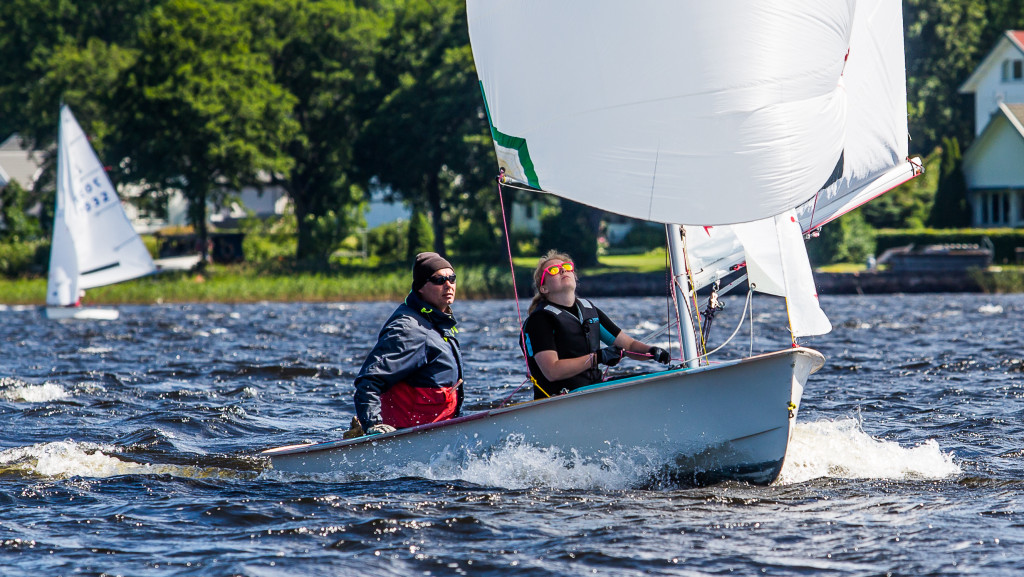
{"points": [[874, 151], [875, 157], [94, 243], [676, 112]]}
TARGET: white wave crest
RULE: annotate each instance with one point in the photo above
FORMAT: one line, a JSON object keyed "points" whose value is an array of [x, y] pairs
{"points": [[25, 393], [66, 459], [841, 449]]}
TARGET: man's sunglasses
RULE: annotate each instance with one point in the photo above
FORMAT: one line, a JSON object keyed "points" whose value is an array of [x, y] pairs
{"points": [[557, 269], [441, 279]]}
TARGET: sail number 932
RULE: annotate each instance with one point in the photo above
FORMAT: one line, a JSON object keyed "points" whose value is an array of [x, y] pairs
{"points": [[95, 196]]}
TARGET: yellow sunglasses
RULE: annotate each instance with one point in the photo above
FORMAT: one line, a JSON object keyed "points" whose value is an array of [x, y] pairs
{"points": [[556, 270]]}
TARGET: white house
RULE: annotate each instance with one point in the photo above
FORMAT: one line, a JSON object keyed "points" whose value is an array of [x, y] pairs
{"points": [[994, 163], [18, 164]]}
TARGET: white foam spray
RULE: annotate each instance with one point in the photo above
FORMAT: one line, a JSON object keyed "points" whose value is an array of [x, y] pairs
{"points": [[18, 392], [66, 459], [841, 449]]}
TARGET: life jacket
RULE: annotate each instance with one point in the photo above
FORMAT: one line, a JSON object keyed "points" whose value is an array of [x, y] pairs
{"points": [[404, 406], [574, 337]]}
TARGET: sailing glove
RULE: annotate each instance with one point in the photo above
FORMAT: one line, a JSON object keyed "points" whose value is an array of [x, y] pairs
{"points": [[380, 428], [609, 356], [659, 354]]}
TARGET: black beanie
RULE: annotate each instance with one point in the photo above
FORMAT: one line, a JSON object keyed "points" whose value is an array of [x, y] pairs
{"points": [[427, 263]]}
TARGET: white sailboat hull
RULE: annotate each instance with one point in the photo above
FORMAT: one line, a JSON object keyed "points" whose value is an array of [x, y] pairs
{"points": [[727, 421], [81, 313]]}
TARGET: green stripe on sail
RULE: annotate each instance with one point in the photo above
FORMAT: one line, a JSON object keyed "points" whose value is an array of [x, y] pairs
{"points": [[513, 143]]}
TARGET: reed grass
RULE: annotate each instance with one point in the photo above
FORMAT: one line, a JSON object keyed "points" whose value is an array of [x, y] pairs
{"points": [[244, 284]]}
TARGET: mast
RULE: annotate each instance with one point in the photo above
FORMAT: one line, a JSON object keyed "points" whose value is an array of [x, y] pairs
{"points": [[679, 280]]}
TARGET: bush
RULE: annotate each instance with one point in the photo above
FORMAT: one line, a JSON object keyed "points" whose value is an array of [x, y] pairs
{"points": [[849, 240], [644, 236], [389, 242], [421, 235], [259, 248], [24, 258]]}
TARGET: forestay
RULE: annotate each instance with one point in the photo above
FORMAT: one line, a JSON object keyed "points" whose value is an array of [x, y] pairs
{"points": [[94, 243]]}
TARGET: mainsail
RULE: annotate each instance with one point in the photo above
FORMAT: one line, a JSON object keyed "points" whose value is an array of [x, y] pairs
{"points": [[94, 243]]}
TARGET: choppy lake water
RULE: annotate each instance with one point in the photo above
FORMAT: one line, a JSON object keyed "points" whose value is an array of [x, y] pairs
{"points": [[130, 448]]}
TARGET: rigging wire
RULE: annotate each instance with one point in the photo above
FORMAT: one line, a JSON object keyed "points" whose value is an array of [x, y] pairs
{"points": [[751, 291], [748, 303], [515, 289]]}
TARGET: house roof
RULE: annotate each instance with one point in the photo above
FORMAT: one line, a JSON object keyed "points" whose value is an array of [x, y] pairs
{"points": [[1014, 114], [18, 164], [1010, 38]]}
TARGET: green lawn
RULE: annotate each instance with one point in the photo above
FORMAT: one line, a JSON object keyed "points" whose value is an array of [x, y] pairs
{"points": [[653, 261]]}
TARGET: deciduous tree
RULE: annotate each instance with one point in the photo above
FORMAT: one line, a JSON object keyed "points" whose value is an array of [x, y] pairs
{"points": [[199, 110]]}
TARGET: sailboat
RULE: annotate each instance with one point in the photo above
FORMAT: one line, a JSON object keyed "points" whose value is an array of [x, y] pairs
{"points": [[94, 243], [743, 127]]}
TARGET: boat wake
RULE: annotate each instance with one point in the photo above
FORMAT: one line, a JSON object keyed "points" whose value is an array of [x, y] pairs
{"points": [[842, 450], [68, 459]]}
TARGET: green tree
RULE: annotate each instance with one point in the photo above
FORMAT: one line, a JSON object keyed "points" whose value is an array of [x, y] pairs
{"points": [[430, 123], [324, 54], [950, 207], [908, 205], [945, 42], [15, 223], [848, 239], [199, 111], [572, 229], [420, 236], [31, 31]]}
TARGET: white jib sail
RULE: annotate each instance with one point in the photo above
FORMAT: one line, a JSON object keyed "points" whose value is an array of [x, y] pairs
{"points": [[677, 112], [777, 264], [94, 243]]}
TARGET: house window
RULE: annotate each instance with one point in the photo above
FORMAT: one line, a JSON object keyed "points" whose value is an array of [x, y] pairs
{"points": [[994, 216], [1013, 70]]}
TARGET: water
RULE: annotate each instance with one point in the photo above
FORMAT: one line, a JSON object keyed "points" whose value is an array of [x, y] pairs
{"points": [[128, 448]]}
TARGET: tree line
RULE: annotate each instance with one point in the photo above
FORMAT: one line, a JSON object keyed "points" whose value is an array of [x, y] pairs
{"points": [[331, 99]]}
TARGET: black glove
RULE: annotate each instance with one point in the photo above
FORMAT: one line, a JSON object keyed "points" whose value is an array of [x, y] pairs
{"points": [[659, 354], [609, 356]]}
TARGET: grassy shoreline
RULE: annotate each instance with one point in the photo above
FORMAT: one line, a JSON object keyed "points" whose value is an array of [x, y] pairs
{"points": [[349, 283], [233, 286], [245, 284]]}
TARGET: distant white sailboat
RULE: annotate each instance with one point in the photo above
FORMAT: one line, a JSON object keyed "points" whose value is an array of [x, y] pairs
{"points": [[740, 125], [94, 243]]}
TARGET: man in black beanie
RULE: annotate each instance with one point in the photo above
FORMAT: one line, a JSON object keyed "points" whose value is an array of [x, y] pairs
{"points": [[413, 375]]}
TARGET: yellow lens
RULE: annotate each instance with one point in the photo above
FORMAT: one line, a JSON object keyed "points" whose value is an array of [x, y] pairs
{"points": [[567, 266], [553, 270]]}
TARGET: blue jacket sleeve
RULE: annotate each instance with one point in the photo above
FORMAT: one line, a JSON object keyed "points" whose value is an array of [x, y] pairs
{"points": [[397, 354]]}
